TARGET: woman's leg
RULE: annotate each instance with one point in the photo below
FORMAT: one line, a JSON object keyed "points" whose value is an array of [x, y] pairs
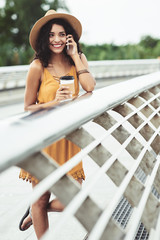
{"points": [[53, 206], [39, 214], [80, 180]]}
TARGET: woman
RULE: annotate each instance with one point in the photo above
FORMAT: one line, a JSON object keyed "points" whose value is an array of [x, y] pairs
{"points": [[54, 38]]}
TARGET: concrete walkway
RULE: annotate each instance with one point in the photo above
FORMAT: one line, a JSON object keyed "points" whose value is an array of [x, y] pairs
{"points": [[13, 191]]}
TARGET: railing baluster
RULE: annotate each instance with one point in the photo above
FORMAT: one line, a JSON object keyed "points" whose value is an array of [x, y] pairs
{"points": [[120, 134]]}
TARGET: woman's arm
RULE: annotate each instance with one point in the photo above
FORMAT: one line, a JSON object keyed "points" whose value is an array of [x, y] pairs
{"points": [[86, 80], [32, 85], [33, 81]]}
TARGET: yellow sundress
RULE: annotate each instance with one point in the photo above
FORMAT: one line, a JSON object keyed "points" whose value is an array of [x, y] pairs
{"points": [[62, 150]]}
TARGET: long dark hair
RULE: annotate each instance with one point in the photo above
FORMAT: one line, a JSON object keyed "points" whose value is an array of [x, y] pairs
{"points": [[43, 53]]}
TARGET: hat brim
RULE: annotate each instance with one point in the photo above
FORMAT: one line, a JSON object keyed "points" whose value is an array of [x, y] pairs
{"points": [[74, 22]]}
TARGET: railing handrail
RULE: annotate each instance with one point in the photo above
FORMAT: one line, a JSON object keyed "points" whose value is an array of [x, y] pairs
{"points": [[124, 62], [14, 77], [45, 128], [117, 129], [19, 68]]}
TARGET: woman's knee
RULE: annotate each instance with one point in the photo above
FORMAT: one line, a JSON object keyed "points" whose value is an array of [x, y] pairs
{"points": [[42, 202]]}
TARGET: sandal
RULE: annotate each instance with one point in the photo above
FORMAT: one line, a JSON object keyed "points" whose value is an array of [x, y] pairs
{"points": [[28, 212]]}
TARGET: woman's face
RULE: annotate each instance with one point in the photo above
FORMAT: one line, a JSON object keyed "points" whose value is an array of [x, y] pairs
{"points": [[57, 38]]}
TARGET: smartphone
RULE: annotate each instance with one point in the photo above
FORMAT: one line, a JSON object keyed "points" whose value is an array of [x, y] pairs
{"points": [[67, 47]]}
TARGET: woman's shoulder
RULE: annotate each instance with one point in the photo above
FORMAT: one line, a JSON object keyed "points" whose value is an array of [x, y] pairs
{"points": [[83, 59], [36, 65], [83, 55]]}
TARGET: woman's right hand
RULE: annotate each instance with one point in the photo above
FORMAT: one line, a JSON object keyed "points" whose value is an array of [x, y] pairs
{"points": [[63, 93]]}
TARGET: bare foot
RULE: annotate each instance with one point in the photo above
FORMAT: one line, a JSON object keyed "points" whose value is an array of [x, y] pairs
{"points": [[26, 223], [53, 206]]}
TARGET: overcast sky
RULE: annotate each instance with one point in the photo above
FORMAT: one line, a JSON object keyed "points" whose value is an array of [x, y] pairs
{"points": [[116, 21]]}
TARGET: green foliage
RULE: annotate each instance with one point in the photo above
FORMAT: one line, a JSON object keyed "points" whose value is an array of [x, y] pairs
{"points": [[148, 47], [148, 42], [18, 17], [16, 20]]}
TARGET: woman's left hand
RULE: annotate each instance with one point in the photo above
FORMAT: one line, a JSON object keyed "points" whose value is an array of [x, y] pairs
{"points": [[71, 46]]}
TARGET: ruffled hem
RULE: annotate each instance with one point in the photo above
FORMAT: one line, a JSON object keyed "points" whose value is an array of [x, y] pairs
{"points": [[78, 175], [29, 178]]}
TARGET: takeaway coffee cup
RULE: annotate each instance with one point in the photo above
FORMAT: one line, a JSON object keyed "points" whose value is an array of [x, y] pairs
{"points": [[68, 81]]}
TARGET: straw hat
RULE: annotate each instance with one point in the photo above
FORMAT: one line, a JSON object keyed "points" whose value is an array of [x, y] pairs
{"points": [[52, 14]]}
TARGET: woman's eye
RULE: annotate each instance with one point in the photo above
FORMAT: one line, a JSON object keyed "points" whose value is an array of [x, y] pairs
{"points": [[62, 34], [51, 35]]}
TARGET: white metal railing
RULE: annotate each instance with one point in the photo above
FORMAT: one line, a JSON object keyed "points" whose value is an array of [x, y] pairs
{"points": [[118, 127], [14, 76], [123, 68]]}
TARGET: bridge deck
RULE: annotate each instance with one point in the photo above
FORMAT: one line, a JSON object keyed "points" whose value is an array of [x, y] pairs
{"points": [[13, 191]]}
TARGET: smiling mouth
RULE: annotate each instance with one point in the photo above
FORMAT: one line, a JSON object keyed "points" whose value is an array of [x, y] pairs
{"points": [[56, 45]]}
